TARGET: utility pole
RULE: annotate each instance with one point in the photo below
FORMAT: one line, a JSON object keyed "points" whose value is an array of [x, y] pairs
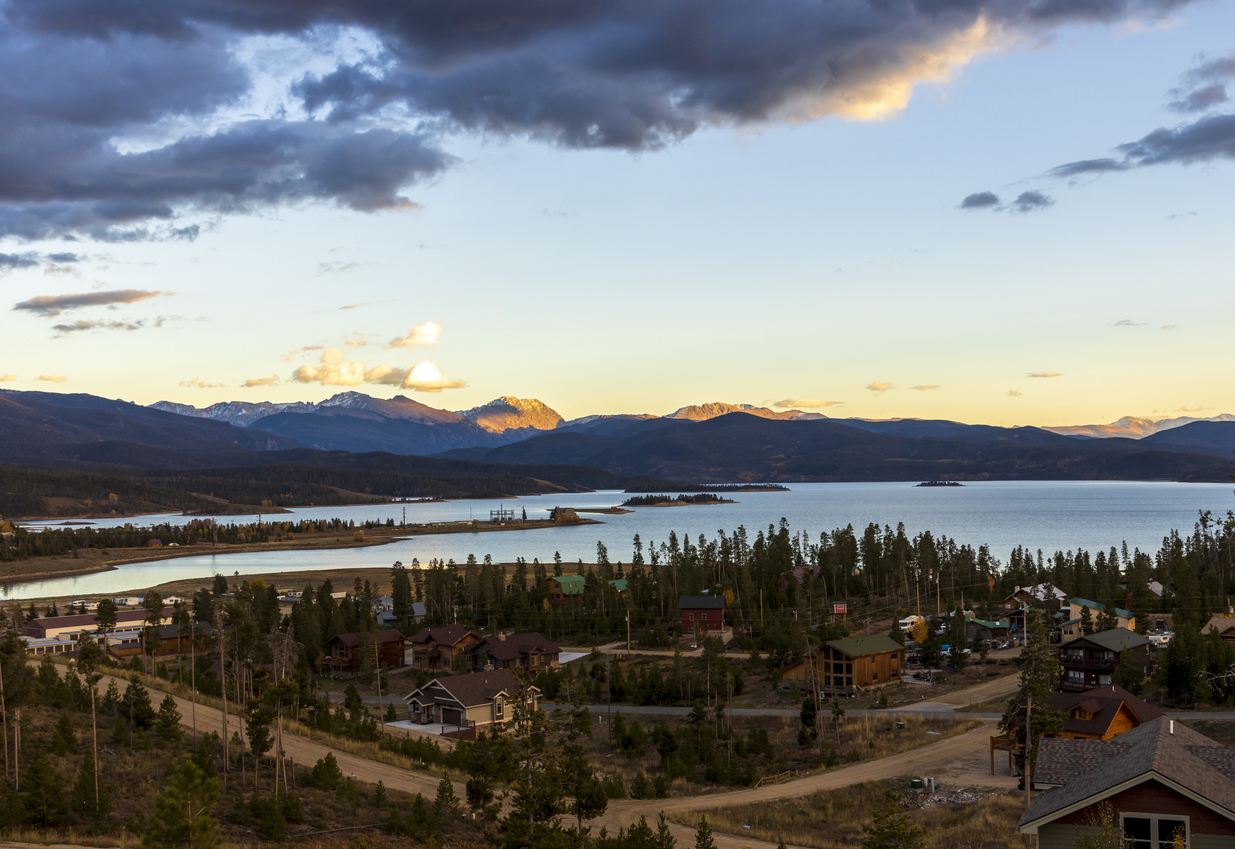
{"points": [[377, 664], [193, 676], [1025, 770], [5, 715], [17, 750], [760, 608], [628, 632]]}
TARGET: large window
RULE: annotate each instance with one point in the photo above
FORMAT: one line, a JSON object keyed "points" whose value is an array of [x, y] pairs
{"points": [[1154, 831]]}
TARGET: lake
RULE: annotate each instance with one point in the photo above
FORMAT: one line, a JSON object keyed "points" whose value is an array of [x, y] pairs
{"points": [[1003, 514]]}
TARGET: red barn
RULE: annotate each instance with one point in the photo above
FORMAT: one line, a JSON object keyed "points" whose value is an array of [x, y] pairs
{"points": [[708, 609]]}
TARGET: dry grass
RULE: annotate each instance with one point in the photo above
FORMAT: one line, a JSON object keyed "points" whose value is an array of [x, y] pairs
{"points": [[837, 819], [868, 737]]}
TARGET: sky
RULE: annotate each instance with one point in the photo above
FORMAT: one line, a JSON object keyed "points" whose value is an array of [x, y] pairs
{"points": [[982, 210]]}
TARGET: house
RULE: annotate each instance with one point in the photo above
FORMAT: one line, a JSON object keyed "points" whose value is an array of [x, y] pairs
{"points": [[169, 641], [1035, 596], [845, 667], [508, 651], [619, 586], [702, 611], [1102, 713], [1224, 625], [87, 623], [387, 618], [564, 588], [344, 656], [1089, 661], [984, 629], [1125, 618], [468, 702], [1159, 780], [442, 649]]}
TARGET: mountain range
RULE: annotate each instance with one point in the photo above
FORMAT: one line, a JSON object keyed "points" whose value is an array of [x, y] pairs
{"points": [[703, 444]]}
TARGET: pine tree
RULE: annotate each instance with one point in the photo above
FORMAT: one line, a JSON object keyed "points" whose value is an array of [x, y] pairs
{"points": [[446, 805], [46, 803], [182, 814], [703, 835], [83, 799], [1039, 675], [168, 724], [64, 737]]}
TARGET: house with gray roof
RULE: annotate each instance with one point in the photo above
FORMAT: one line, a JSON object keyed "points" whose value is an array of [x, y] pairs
{"points": [[1088, 662], [1159, 780], [469, 702]]}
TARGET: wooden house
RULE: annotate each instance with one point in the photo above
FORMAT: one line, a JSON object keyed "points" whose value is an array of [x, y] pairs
{"points": [[1102, 713], [564, 588], [344, 656], [1224, 625], [1124, 618], [510, 651], [1160, 781], [702, 611], [1088, 662], [442, 649], [846, 667]]}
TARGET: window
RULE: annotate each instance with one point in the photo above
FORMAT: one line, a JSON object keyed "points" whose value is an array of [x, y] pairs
{"points": [[1076, 675], [499, 707], [1153, 831], [692, 617]]}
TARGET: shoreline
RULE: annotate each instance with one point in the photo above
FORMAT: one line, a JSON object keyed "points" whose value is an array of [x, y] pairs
{"points": [[385, 536]]}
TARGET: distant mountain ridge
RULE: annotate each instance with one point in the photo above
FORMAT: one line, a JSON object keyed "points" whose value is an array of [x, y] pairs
{"points": [[704, 412], [1133, 427]]}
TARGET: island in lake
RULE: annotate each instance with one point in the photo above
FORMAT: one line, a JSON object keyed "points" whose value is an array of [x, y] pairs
{"points": [[940, 483], [676, 500]]}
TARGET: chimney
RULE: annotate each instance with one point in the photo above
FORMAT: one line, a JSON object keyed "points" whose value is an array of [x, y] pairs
{"points": [[1172, 726]]}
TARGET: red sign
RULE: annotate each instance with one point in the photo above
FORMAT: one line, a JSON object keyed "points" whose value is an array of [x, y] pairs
{"points": [[839, 608]]}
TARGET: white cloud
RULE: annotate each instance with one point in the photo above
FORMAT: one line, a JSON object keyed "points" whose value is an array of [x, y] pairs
{"points": [[7, 378], [424, 335], [881, 386], [52, 378], [1170, 326], [794, 403], [925, 387], [1127, 322], [356, 340], [199, 383], [333, 370], [426, 377], [336, 370], [1045, 374], [261, 381], [1012, 393]]}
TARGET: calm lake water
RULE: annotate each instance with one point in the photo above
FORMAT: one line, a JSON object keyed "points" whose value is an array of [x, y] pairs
{"points": [[1037, 514]]}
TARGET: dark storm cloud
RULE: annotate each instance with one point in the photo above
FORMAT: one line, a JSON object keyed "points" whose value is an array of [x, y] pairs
{"points": [[75, 75], [980, 200]]}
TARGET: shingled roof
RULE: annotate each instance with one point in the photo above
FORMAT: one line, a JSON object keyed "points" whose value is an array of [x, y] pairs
{"points": [[444, 635], [515, 645], [1115, 639], [1103, 705], [861, 646], [1162, 749], [701, 602], [475, 688], [385, 635]]}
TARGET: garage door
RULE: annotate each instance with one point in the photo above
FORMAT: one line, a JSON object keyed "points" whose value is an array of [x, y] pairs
{"points": [[451, 716]]}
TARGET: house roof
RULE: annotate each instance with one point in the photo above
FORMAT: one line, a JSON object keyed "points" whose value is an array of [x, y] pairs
{"points": [[1114, 639], [1162, 749], [861, 646], [701, 602], [570, 584], [170, 632], [1039, 592], [475, 688], [1103, 703], [1221, 623], [1093, 605], [443, 635], [989, 623], [387, 635], [418, 609], [515, 646], [618, 584], [88, 619]]}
